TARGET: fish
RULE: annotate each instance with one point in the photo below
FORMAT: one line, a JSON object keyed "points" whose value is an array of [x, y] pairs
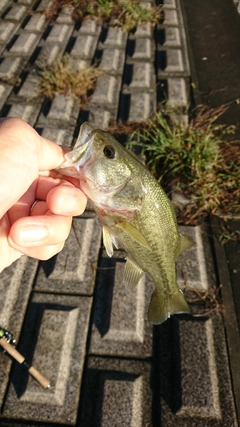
{"points": [[135, 214]]}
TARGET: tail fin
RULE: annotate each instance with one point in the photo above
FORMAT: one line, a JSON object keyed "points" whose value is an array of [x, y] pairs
{"points": [[161, 307]]}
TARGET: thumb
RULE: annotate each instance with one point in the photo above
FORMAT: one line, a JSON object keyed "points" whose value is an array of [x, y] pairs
{"points": [[23, 154]]}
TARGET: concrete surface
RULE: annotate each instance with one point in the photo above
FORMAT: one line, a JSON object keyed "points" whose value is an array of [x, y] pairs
{"points": [[72, 316], [213, 35]]}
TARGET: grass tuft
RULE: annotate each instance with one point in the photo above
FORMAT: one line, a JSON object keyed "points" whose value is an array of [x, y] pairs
{"points": [[127, 14], [194, 160], [62, 78]]}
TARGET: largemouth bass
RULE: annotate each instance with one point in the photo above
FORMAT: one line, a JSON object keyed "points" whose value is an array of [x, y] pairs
{"points": [[135, 214]]}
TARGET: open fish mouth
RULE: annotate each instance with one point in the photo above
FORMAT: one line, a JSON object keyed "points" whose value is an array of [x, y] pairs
{"points": [[75, 159], [79, 156], [85, 135]]}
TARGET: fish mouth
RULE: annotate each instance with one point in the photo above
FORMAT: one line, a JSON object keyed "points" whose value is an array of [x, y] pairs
{"points": [[75, 159], [85, 134], [79, 156], [82, 149]]}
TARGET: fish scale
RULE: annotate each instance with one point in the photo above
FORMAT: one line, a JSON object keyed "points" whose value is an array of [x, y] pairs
{"points": [[135, 213]]}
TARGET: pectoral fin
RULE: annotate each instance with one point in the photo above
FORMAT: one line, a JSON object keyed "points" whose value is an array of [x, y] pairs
{"points": [[132, 274], [185, 243], [134, 233], [161, 307]]}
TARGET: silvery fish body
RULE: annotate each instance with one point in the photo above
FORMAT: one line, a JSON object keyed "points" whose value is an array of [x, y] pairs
{"points": [[135, 214]]}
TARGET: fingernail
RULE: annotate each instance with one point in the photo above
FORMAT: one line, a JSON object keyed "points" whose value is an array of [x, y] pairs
{"points": [[68, 203], [32, 235]]}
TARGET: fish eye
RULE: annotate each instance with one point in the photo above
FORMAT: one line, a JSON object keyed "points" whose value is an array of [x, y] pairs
{"points": [[109, 152]]}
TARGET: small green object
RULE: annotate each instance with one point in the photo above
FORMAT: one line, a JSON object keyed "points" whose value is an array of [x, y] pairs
{"points": [[2, 332]]}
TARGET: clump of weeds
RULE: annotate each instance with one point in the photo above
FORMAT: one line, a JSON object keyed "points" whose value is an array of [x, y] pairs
{"points": [[227, 233], [204, 303], [127, 14], [194, 160], [62, 78]]}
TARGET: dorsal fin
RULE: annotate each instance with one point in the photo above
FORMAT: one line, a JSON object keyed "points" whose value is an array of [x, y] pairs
{"points": [[185, 243]]}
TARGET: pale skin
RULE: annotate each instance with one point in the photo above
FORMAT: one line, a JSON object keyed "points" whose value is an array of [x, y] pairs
{"points": [[36, 203]]}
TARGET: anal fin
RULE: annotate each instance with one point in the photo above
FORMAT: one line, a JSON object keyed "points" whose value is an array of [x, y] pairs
{"points": [[132, 274], [161, 307]]}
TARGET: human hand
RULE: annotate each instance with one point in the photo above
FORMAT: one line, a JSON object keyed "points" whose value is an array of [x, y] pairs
{"points": [[36, 203]]}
